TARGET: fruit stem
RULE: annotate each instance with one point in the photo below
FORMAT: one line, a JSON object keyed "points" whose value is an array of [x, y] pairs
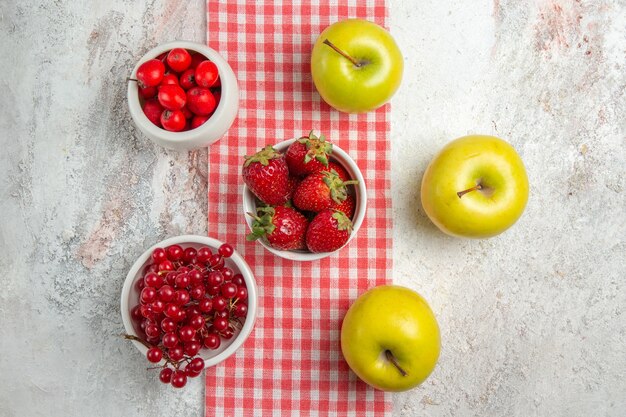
{"points": [[469, 190], [131, 79], [132, 337], [394, 361], [342, 53]]}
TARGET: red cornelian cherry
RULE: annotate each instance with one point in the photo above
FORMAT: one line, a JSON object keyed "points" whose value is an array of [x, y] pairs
{"points": [[188, 79], [148, 92], [173, 121], [150, 73], [201, 101], [206, 74], [169, 79], [172, 97], [196, 59], [178, 59]]}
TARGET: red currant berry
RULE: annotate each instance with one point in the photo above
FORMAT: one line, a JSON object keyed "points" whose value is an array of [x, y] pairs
{"points": [[153, 280], [213, 290], [154, 268], [182, 280], [170, 278], [227, 273], [189, 255], [171, 311], [192, 348], [135, 313], [204, 254], [174, 121], [166, 265], [148, 92], [215, 278], [169, 79], [197, 292], [242, 292], [172, 97], [157, 306], [238, 280], [223, 313], [170, 340], [219, 303], [211, 341], [148, 295], [168, 325], [154, 355], [166, 293], [176, 353], [196, 365], [159, 255], [206, 74], [150, 73], [229, 290], [188, 79], [152, 331], [205, 305], [179, 379], [178, 59], [195, 278], [181, 297], [187, 333], [226, 250], [217, 261], [174, 252], [197, 321], [220, 324], [241, 310], [165, 376], [201, 101], [228, 333]]}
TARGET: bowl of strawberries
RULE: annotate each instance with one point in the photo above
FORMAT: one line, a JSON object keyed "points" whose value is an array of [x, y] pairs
{"points": [[183, 95], [303, 198]]}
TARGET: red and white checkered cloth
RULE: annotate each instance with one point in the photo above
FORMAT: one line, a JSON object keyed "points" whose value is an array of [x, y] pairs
{"points": [[292, 364]]}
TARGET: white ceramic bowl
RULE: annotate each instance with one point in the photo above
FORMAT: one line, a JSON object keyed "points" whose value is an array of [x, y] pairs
{"points": [[130, 296], [342, 158], [204, 135]]}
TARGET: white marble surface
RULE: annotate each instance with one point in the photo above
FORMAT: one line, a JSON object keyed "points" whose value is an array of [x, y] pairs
{"points": [[533, 321]]}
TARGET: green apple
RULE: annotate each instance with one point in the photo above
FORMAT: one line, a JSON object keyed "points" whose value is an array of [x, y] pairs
{"points": [[390, 338], [356, 65], [476, 187]]}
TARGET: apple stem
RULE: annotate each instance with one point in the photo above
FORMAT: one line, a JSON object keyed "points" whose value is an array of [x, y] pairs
{"points": [[469, 190], [394, 361], [342, 53]]}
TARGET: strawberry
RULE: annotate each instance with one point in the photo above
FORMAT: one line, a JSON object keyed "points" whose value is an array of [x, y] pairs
{"points": [[293, 184], [308, 154], [347, 206], [284, 228], [328, 231], [320, 190], [341, 171], [267, 176]]}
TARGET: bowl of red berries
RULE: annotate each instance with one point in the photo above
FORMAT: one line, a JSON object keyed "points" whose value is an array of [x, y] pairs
{"points": [[188, 303], [183, 95], [303, 198]]}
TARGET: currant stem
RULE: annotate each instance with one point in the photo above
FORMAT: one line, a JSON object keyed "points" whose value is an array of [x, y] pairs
{"points": [[135, 338], [469, 190], [394, 361], [342, 53]]}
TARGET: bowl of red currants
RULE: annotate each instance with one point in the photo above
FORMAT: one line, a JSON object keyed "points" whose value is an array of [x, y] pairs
{"points": [[188, 303], [303, 198], [183, 95]]}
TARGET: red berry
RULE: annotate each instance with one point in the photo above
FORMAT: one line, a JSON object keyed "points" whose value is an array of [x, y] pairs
{"points": [[188, 114], [165, 376], [220, 323], [204, 254], [216, 261], [178, 59], [176, 353], [153, 110], [154, 355], [226, 250], [347, 206], [328, 231], [197, 321], [152, 330], [182, 280], [179, 379], [229, 290], [212, 340], [238, 280], [135, 313], [157, 306], [166, 293], [206, 74], [172, 97], [189, 255], [241, 310], [192, 348], [308, 154], [170, 340], [174, 252], [267, 176], [168, 325], [320, 190], [227, 273], [186, 333], [172, 311], [197, 292], [196, 364], [196, 59], [242, 292], [201, 101], [195, 278], [166, 265], [148, 92], [169, 79], [148, 295], [205, 305], [153, 280], [283, 227], [173, 121], [219, 303], [181, 297], [215, 278], [150, 73], [198, 121], [188, 79], [159, 255], [341, 171]]}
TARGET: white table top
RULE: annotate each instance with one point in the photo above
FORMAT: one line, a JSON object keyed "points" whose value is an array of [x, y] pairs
{"points": [[533, 321]]}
